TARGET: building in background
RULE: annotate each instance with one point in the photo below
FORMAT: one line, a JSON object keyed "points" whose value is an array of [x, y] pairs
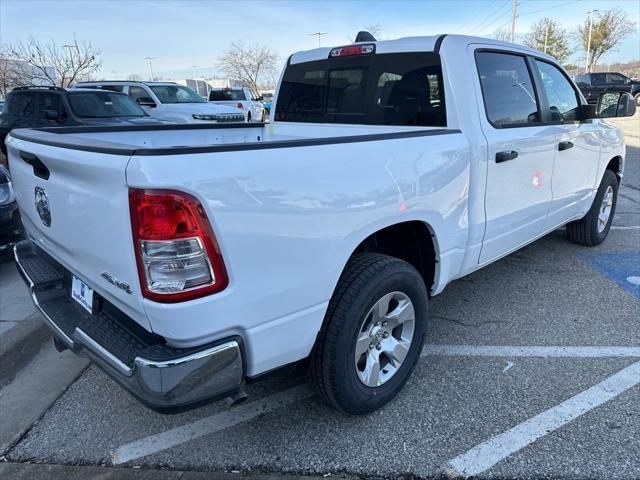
{"points": [[17, 73]]}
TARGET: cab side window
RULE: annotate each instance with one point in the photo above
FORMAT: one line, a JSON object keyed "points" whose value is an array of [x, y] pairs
{"points": [[616, 78], [138, 92], [507, 88], [563, 99], [51, 101]]}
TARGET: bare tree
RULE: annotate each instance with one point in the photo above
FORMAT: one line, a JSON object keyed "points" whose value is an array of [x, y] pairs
{"points": [[57, 65], [548, 36], [502, 34], [134, 77], [248, 64], [608, 29]]}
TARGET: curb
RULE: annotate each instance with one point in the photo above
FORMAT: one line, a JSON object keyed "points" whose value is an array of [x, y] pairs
{"points": [[20, 344], [33, 471]]}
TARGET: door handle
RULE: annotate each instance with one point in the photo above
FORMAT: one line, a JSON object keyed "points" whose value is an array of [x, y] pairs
{"points": [[507, 155], [565, 146], [39, 168]]}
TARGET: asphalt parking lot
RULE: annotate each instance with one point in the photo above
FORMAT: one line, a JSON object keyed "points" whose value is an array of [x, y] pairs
{"points": [[531, 370]]}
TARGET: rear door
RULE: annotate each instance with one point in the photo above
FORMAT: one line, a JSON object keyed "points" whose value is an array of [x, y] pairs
{"points": [[520, 152], [578, 151]]}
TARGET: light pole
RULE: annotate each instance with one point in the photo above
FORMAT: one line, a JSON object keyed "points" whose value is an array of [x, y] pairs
{"points": [[514, 8], [546, 35], [150, 67], [586, 66], [318, 34], [70, 47]]}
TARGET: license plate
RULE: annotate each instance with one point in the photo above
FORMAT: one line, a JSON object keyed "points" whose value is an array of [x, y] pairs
{"points": [[82, 293]]}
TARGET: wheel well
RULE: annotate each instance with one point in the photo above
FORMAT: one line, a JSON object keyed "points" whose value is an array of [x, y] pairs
{"points": [[615, 164], [408, 241]]}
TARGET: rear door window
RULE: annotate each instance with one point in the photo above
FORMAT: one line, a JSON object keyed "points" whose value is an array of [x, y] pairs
{"points": [[507, 89], [378, 89], [24, 104]]}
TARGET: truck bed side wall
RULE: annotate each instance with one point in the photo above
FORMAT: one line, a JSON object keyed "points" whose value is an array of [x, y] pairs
{"points": [[287, 221]]}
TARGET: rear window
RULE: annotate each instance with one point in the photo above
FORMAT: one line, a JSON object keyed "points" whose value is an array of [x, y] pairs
{"points": [[378, 89], [226, 95]]}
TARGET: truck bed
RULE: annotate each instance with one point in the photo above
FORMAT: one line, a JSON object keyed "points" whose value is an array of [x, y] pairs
{"points": [[189, 138]]}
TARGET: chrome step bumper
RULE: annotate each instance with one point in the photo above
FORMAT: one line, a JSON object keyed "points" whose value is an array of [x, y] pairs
{"points": [[163, 377]]}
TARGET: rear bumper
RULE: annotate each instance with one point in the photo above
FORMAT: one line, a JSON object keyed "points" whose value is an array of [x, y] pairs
{"points": [[163, 377]]}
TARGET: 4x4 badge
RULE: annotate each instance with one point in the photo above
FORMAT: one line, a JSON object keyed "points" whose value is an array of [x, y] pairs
{"points": [[42, 206]]}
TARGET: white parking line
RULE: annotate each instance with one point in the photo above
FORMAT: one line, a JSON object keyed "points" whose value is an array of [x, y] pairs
{"points": [[205, 426], [487, 454], [215, 423], [532, 351], [621, 227]]}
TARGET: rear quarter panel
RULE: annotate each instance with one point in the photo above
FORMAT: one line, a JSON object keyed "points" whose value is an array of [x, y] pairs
{"points": [[287, 220]]}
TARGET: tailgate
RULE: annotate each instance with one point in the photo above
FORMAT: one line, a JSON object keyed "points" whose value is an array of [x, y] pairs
{"points": [[87, 227]]}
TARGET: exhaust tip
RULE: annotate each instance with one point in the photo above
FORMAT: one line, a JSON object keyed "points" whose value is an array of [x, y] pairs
{"points": [[59, 344], [237, 398]]}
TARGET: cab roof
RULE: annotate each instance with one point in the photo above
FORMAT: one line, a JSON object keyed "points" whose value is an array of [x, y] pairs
{"points": [[412, 44]]}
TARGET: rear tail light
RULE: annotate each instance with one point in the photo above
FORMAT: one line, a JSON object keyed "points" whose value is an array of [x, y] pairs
{"points": [[352, 50], [177, 253], [240, 106]]}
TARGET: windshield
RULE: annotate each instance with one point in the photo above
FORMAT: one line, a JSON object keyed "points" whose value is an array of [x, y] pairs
{"points": [[103, 104], [379, 89], [176, 94]]}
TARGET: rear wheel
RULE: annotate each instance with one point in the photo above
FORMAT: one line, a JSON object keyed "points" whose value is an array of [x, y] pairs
{"points": [[372, 334], [594, 227], [637, 98]]}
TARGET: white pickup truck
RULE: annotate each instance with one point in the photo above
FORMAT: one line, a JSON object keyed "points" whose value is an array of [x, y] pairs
{"points": [[187, 259]]}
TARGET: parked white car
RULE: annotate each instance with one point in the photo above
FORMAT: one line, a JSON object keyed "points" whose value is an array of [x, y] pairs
{"points": [[171, 102], [243, 98], [185, 260]]}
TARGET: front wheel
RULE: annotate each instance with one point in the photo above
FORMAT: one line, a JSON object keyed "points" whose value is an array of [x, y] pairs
{"points": [[594, 227], [637, 98], [372, 335]]}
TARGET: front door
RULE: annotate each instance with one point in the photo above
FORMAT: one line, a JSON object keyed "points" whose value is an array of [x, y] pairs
{"points": [[578, 151], [520, 153]]}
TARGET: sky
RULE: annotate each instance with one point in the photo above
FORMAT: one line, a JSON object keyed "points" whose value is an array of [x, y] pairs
{"points": [[181, 34]]}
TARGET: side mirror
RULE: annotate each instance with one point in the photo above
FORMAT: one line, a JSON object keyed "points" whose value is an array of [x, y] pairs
{"points": [[145, 102], [50, 114], [615, 104]]}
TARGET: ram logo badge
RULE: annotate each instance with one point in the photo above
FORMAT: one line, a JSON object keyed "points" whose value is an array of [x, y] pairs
{"points": [[42, 206]]}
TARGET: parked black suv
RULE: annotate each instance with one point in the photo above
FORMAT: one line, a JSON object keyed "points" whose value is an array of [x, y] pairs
{"points": [[33, 107], [11, 230], [593, 84]]}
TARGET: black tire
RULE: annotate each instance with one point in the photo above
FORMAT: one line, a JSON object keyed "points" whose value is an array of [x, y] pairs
{"points": [[365, 280], [637, 99], [585, 231]]}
